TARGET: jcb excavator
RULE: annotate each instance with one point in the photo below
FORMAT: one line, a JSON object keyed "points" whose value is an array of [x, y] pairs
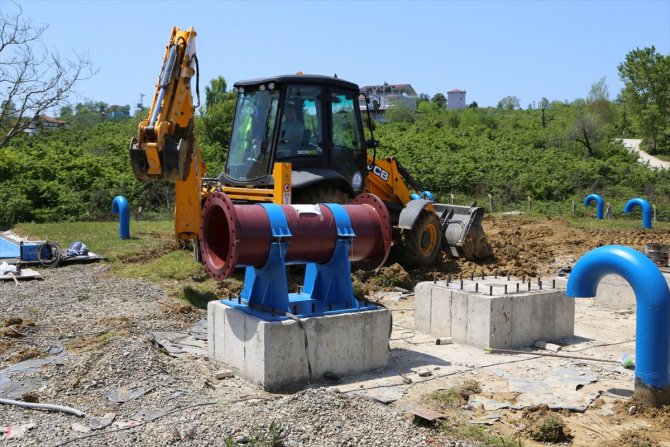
{"points": [[295, 139]]}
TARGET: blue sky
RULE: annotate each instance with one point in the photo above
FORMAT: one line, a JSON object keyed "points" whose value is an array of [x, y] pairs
{"points": [[491, 49]]}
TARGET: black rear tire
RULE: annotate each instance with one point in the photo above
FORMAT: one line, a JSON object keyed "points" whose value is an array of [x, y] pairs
{"points": [[420, 246]]}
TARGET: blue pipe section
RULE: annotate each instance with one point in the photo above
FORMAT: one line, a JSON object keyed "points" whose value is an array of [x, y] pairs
{"points": [[599, 204], [646, 210], [120, 207], [652, 345]]}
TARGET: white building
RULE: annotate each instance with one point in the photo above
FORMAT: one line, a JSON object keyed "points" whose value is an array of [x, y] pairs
{"points": [[384, 96], [455, 99]]}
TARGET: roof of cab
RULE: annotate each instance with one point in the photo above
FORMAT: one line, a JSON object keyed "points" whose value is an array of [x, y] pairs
{"points": [[300, 79]]}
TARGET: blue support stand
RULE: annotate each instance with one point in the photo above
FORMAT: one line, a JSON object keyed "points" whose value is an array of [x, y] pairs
{"points": [[266, 286], [330, 282], [327, 287]]}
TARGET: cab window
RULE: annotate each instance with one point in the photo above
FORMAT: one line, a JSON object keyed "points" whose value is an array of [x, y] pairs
{"points": [[300, 132], [347, 147], [255, 117]]}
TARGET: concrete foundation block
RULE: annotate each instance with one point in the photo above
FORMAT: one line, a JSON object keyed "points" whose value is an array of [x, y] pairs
{"points": [[273, 354], [480, 314]]}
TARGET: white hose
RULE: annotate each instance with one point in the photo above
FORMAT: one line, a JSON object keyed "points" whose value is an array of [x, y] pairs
{"points": [[36, 406]]}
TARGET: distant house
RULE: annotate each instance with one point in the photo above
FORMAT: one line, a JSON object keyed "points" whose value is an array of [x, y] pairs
{"points": [[45, 122], [384, 96], [455, 99], [117, 112]]}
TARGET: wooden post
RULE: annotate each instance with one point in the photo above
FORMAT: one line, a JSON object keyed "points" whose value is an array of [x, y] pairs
{"points": [[490, 202], [574, 209], [608, 211]]}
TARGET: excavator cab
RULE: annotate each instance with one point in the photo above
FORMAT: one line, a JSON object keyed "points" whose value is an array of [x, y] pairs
{"points": [[312, 122]]}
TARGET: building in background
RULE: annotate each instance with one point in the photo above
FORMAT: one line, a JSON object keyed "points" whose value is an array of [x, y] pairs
{"points": [[455, 99], [384, 96], [44, 122]]}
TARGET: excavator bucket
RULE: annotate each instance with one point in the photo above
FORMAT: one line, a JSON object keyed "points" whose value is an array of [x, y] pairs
{"points": [[463, 232]]}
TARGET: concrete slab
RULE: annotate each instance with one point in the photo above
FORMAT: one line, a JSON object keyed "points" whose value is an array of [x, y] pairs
{"points": [[489, 312], [280, 354]]}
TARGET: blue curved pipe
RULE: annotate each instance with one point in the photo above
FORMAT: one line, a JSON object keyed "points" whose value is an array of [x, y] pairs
{"points": [[120, 207], [599, 204], [652, 336], [646, 210]]}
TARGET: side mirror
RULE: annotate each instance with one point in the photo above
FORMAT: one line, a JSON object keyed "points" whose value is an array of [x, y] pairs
{"points": [[372, 143]]}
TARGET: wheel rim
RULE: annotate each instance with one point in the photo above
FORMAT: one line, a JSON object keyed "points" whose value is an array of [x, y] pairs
{"points": [[428, 239]]}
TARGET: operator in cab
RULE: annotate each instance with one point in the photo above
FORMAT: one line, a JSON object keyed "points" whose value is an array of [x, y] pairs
{"points": [[292, 131]]}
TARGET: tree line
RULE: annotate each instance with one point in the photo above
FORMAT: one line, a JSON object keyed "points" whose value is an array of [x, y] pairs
{"points": [[553, 152]]}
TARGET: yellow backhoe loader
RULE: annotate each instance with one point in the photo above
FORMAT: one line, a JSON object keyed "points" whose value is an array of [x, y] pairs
{"points": [[295, 139]]}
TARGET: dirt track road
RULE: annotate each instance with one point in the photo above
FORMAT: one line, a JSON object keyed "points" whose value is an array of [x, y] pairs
{"points": [[633, 144]]}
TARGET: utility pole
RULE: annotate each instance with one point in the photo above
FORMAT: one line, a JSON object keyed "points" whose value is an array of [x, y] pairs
{"points": [[140, 104]]}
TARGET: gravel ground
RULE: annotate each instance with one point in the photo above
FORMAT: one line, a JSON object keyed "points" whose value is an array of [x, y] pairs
{"points": [[92, 330]]}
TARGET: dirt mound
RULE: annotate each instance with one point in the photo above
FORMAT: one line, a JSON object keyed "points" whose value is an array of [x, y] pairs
{"points": [[542, 246], [521, 247], [632, 438]]}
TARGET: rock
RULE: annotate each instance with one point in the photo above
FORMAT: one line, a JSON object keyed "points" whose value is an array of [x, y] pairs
{"points": [[443, 341], [548, 346], [16, 431], [100, 423], [125, 394], [223, 374], [80, 428], [632, 409], [125, 424], [425, 373]]}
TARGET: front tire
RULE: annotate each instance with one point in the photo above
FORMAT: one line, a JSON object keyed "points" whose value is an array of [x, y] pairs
{"points": [[420, 246]]}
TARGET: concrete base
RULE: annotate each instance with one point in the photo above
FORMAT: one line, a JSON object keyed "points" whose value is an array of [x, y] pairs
{"points": [[273, 353], [491, 317], [614, 292]]}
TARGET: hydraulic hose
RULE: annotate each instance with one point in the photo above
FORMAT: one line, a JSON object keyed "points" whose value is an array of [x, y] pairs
{"points": [[53, 257], [36, 406]]}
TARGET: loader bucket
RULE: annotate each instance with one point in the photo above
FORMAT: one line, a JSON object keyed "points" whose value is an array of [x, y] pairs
{"points": [[463, 232]]}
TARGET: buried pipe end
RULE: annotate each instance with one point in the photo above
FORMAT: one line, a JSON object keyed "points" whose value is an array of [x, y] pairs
{"points": [[599, 204], [650, 396], [120, 207], [646, 210], [652, 332], [218, 236], [386, 232]]}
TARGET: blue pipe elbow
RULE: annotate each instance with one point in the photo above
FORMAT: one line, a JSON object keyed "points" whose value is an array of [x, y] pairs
{"points": [[652, 345], [646, 210], [599, 204], [120, 207]]}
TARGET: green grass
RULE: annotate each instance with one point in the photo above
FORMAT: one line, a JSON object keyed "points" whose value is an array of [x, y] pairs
{"points": [[178, 265], [103, 237], [664, 157], [615, 224], [460, 429], [591, 223], [151, 253]]}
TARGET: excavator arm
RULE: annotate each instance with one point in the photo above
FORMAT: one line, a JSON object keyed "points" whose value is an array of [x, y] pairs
{"points": [[165, 147]]}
